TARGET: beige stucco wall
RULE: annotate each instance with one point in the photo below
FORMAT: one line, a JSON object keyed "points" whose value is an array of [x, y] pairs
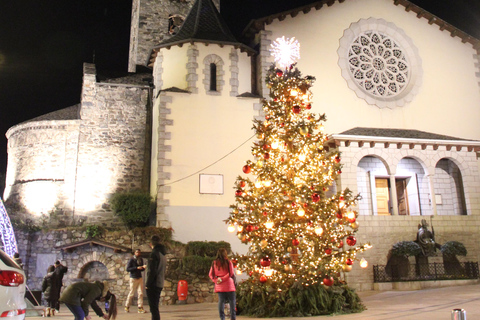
{"points": [[447, 101]]}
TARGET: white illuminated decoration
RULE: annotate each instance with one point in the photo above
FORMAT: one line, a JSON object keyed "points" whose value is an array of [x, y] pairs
{"points": [[6, 232], [285, 51]]}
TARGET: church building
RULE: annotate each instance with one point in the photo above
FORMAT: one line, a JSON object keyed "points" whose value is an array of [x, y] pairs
{"points": [[399, 86]]}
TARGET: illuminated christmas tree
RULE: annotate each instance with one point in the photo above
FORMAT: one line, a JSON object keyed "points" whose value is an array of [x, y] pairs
{"points": [[300, 232]]}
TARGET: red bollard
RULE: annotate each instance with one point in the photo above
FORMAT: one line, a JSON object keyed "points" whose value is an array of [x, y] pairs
{"points": [[182, 290]]}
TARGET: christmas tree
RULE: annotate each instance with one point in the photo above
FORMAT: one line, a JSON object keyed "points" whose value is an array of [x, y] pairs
{"points": [[301, 234]]}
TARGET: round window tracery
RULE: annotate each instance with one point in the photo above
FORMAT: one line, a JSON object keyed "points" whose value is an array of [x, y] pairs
{"points": [[380, 63]]}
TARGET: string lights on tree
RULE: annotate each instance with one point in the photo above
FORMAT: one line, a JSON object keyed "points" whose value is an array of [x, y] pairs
{"points": [[6, 232], [299, 232]]}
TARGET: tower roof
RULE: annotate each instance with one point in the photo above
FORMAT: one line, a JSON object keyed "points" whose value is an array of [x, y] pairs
{"points": [[203, 24]]}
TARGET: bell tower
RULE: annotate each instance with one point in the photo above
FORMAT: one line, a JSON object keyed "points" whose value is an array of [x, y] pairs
{"points": [[152, 22]]}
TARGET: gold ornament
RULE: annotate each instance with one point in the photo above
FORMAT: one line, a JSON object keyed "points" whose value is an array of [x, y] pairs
{"points": [[347, 268]]}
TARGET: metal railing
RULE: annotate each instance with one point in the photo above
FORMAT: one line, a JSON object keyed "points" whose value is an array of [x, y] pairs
{"points": [[426, 272]]}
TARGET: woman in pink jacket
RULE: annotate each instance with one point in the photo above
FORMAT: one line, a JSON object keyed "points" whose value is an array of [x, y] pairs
{"points": [[221, 274]]}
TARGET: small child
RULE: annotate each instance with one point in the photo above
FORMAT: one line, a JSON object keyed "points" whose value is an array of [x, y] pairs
{"points": [[49, 292]]}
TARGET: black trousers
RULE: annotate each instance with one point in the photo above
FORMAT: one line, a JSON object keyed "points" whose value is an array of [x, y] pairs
{"points": [[153, 295]]}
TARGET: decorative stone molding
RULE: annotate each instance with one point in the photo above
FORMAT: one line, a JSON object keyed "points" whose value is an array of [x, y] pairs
{"points": [[158, 73], [234, 72], [163, 162], [266, 60], [380, 63], [192, 66], [213, 58]]}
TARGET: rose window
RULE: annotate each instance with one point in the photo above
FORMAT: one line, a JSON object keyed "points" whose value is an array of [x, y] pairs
{"points": [[378, 64]]}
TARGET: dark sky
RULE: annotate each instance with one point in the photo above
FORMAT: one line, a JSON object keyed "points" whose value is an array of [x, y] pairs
{"points": [[44, 43]]}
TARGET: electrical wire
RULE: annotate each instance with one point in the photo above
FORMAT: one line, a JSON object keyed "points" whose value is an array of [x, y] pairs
{"points": [[190, 175]]}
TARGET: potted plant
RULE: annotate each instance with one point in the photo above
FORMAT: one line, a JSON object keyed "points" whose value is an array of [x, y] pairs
{"points": [[398, 265], [450, 250]]}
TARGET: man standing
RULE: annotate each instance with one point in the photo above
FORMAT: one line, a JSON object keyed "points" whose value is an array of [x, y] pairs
{"points": [[155, 275], [58, 274], [135, 266]]}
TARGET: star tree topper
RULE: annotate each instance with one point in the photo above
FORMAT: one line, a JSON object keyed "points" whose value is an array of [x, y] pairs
{"points": [[285, 51]]}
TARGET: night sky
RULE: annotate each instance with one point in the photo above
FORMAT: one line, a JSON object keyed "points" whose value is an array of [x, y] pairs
{"points": [[43, 45]]}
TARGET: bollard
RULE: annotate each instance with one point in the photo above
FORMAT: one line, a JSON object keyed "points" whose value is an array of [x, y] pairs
{"points": [[459, 314]]}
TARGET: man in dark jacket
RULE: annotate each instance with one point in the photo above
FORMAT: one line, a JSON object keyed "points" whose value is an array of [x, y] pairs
{"points": [[135, 266], [58, 274], [155, 275]]}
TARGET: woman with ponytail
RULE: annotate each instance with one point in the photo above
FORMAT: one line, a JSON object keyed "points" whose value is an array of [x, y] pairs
{"points": [[221, 274], [78, 296]]}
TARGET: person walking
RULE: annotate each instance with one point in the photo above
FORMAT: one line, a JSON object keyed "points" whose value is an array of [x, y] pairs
{"points": [[49, 289], [157, 264], [79, 295], [58, 274], [135, 266], [221, 274]]}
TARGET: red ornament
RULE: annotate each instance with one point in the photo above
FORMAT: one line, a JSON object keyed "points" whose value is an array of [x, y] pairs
{"points": [[328, 281], [266, 156], [279, 73], [305, 205], [341, 198], [263, 279], [265, 213], [242, 184], [349, 261], [266, 146], [294, 204], [337, 159], [265, 262], [238, 193], [309, 106], [339, 171], [315, 197], [351, 241], [284, 261], [339, 215], [282, 125], [249, 228], [352, 220], [296, 109], [295, 242], [247, 168], [340, 245], [328, 251]]}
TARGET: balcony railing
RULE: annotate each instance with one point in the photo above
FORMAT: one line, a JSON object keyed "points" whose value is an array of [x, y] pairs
{"points": [[426, 272]]}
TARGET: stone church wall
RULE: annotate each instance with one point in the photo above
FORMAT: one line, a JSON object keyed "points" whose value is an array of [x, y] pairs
{"points": [[150, 26]]}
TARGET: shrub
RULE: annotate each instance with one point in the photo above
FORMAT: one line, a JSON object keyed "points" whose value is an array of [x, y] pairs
{"points": [[206, 249], [133, 208], [197, 264], [453, 248], [406, 249], [94, 231]]}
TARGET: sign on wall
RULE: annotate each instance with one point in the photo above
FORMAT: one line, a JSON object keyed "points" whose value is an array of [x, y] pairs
{"points": [[211, 183]]}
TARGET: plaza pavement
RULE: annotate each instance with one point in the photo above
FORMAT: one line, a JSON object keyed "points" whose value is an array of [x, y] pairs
{"points": [[427, 304]]}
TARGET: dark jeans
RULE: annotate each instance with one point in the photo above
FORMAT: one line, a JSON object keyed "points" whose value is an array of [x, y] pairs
{"points": [[77, 311], [153, 294], [222, 297]]}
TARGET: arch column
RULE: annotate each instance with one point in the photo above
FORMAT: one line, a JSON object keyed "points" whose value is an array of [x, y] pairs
{"points": [[432, 193], [393, 195]]}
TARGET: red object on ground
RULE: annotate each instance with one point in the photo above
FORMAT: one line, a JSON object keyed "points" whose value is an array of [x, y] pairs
{"points": [[182, 290]]}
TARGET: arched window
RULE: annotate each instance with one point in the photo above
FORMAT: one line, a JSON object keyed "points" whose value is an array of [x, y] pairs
{"points": [[213, 77], [175, 22], [213, 74]]}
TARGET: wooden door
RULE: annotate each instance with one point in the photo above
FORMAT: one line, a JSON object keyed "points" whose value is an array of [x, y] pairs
{"points": [[383, 196], [402, 197]]}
